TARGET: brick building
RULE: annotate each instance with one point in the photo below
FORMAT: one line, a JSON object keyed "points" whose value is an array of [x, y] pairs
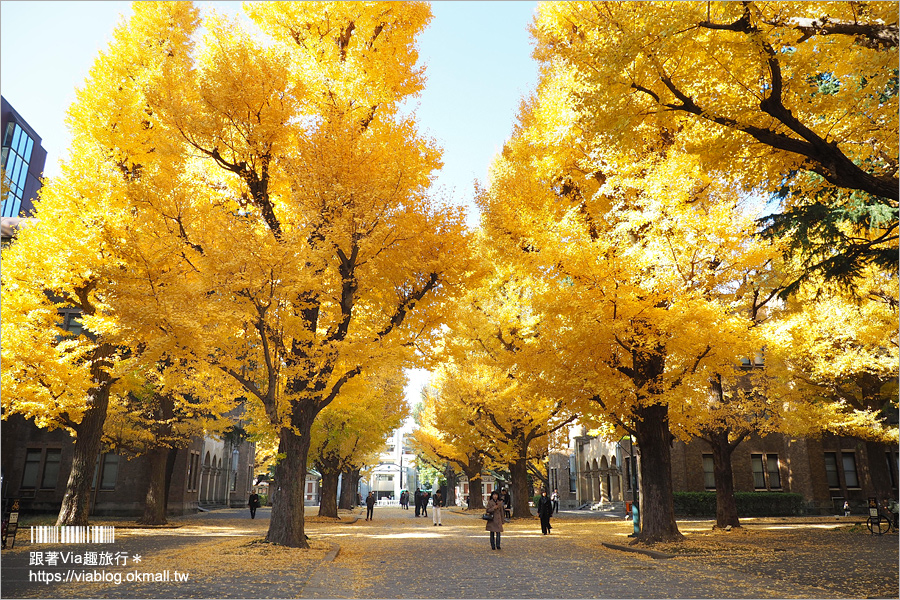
{"points": [[825, 471], [36, 465]]}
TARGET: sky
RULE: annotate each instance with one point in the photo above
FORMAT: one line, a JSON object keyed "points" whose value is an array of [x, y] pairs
{"points": [[477, 57]]}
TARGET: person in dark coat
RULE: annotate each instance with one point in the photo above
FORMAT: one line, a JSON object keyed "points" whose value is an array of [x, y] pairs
{"points": [[253, 504], [426, 496], [545, 509], [418, 498], [495, 525], [370, 506], [507, 503]]}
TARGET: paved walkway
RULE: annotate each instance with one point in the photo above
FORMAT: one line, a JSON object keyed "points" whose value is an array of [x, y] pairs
{"points": [[399, 556]]}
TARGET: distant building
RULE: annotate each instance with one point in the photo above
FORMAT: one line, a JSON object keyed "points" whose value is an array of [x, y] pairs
{"points": [[396, 470], [23, 160]]}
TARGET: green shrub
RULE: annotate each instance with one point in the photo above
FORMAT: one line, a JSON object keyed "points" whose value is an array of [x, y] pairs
{"points": [[264, 499], [749, 504]]}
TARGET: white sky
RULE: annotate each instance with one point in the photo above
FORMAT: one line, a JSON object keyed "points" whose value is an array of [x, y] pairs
{"points": [[477, 57]]}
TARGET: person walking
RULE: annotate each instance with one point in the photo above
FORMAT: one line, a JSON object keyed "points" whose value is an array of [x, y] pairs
{"points": [[555, 498], [545, 509], [370, 506], [418, 498], [253, 504], [426, 496], [507, 503], [495, 525], [438, 503]]}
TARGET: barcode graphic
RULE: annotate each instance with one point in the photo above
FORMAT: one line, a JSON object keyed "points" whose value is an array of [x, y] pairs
{"points": [[73, 534]]}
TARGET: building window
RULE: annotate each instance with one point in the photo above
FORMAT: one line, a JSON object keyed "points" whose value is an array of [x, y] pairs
{"points": [[192, 471], [831, 470], [17, 147], [759, 473], [109, 471], [51, 468], [32, 468], [41, 467], [709, 472], [848, 460], [773, 472], [766, 475]]}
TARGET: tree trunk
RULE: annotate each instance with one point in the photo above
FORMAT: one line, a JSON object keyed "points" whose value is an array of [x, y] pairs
{"points": [[328, 501], [476, 496], [170, 471], [356, 476], [452, 479], [657, 504], [348, 492], [286, 526], [726, 506], [155, 500], [518, 471], [88, 435]]}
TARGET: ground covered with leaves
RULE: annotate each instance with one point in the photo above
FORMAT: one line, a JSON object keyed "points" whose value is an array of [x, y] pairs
{"points": [[397, 555]]}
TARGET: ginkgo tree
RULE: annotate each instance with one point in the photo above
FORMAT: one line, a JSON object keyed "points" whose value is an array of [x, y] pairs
{"points": [[64, 342], [159, 411], [794, 99], [350, 432], [446, 434], [637, 258], [501, 373], [301, 249]]}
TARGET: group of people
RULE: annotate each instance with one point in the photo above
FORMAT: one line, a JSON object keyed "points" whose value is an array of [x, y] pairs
{"points": [[498, 506], [421, 501]]}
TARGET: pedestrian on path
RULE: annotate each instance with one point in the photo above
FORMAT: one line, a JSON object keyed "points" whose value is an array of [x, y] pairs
{"points": [[545, 509], [418, 498], [370, 506], [425, 497], [495, 525], [555, 498], [507, 503], [846, 508], [438, 503], [253, 504]]}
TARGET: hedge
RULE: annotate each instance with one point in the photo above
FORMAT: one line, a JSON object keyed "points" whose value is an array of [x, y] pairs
{"points": [[749, 504]]}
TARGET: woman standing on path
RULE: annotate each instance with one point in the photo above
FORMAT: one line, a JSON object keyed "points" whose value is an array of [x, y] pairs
{"points": [[495, 525], [545, 509]]}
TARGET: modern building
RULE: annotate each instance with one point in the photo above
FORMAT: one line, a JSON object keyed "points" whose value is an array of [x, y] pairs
{"points": [[396, 469], [23, 160]]}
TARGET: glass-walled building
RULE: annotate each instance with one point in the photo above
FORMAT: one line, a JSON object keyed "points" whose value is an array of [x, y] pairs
{"points": [[23, 160]]}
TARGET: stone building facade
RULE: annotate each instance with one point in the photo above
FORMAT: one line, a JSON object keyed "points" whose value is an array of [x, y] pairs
{"points": [[825, 471], [36, 464]]}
